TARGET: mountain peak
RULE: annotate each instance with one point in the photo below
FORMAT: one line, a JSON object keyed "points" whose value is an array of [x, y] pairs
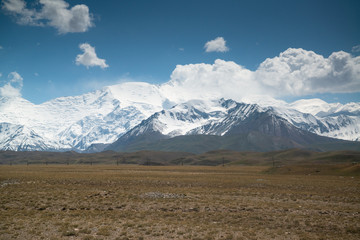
{"points": [[137, 92]]}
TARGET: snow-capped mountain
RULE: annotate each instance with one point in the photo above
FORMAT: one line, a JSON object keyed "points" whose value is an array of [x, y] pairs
{"points": [[18, 137], [318, 107], [238, 124], [134, 109], [216, 117], [332, 120], [178, 120], [78, 122]]}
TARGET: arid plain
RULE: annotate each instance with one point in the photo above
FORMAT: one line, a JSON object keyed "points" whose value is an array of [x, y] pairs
{"points": [[177, 202]]}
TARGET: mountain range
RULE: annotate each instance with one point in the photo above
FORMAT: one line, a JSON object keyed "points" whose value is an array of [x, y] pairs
{"points": [[140, 116]]}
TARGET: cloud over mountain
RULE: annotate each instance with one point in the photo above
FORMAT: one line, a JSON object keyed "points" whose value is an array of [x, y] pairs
{"points": [[12, 88], [203, 81], [54, 13], [300, 72], [89, 57], [293, 72]]}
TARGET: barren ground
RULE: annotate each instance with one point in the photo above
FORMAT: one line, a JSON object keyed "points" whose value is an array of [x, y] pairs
{"points": [[177, 202]]}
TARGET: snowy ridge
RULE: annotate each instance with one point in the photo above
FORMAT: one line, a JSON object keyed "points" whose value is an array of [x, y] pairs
{"points": [[100, 128], [184, 117], [222, 117], [327, 119], [234, 113], [318, 107], [101, 117], [317, 116], [17, 137], [78, 122], [215, 117]]}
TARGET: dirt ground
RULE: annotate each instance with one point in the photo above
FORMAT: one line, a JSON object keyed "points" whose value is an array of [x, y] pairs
{"points": [[178, 202]]}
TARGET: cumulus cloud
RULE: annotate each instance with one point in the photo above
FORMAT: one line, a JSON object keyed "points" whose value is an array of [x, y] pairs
{"points": [[89, 57], [12, 88], [210, 81], [54, 13], [216, 45], [356, 48], [294, 72], [300, 72]]}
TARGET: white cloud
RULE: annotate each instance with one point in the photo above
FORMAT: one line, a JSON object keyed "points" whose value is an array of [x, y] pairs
{"points": [[356, 48], [54, 13], [293, 72], [12, 88], [216, 45], [203, 81], [89, 57], [1, 47], [300, 72], [23, 15]]}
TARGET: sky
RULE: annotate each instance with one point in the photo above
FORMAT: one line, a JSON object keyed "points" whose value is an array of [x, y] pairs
{"points": [[286, 49]]}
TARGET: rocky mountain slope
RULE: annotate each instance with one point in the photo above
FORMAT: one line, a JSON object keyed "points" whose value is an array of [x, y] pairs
{"points": [[240, 126]]}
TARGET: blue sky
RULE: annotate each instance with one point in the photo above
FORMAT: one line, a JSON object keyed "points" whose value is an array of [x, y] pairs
{"points": [[146, 40]]}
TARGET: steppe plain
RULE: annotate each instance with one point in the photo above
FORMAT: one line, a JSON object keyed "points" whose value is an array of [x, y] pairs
{"points": [[179, 202]]}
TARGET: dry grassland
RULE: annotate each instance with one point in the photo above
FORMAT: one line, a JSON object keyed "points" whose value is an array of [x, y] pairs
{"points": [[178, 202]]}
